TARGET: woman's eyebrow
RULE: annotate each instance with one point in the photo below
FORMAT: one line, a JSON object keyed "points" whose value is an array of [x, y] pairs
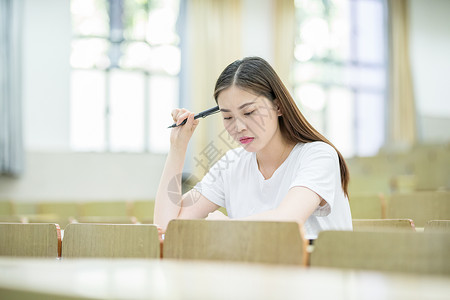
{"points": [[240, 107]]}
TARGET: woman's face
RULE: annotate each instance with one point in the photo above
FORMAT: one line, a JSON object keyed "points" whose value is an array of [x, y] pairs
{"points": [[251, 120]]}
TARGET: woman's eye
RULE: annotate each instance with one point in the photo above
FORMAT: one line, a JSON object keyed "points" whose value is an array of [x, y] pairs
{"points": [[227, 118], [249, 113]]}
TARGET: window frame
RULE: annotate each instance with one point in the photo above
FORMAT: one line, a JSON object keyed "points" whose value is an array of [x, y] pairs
{"points": [[116, 40], [355, 90]]}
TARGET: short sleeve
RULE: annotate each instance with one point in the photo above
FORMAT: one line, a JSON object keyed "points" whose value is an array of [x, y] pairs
{"points": [[319, 171], [212, 184]]}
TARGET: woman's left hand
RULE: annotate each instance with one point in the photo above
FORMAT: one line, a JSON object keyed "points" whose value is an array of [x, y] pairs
{"points": [[217, 215]]}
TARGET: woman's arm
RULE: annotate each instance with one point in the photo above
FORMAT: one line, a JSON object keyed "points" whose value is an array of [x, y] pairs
{"points": [[168, 196], [169, 203], [298, 205]]}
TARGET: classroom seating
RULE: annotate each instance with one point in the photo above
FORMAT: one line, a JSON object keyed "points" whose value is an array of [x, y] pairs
{"points": [[370, 184], [108, 220], [143, 210], [368, 165], [403, 183], [420, 207], [432, 168], [62, 209], [383, 224], [35, 240], [423, 167], [6, 208], [386, 162], [368, 206], [437, 225], [55, 219], [148, 220], [13, 219], [24, 208], [105, 208], [243, 241], [111, 241], [423, 253]]}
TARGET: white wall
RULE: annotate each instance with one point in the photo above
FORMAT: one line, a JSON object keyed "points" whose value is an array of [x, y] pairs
{"points": [[60, 176], [430, 62], [46, 70], [257, 33]]}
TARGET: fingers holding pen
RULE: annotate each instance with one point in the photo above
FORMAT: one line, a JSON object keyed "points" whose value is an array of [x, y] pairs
{"points": [[176, 114], [181, 135], [195, 122], [191, 122], [181, 114]]}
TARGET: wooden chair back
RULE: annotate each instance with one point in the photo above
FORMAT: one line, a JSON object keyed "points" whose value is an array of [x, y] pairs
{"points": [[34, 240], [370, 184], [111, 241], [61, 209], [437, 225], [420, 207], [25, 208], [146, 220], [107, 220], [383, 224], [368, 206], [243, 241], [6, 208], [105, 208], [431, 169], [143, 210], [60, 220], [13, 219], [414, 252]]}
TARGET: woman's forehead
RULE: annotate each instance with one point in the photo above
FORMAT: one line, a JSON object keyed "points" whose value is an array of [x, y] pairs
{"points": [[236, 98]]}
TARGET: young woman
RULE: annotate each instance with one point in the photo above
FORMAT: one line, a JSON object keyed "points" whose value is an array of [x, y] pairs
{"points": [[285, 169]]}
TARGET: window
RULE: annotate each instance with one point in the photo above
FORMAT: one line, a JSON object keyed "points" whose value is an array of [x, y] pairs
{"points": [[125, 63], [340, 72]]}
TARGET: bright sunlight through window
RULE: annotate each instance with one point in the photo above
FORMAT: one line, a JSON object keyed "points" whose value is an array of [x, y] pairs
{"points": [[125, 63], [340, 71]]}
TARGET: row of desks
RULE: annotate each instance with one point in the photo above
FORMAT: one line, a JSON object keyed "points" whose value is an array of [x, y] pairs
{"points": [[166, 279]]}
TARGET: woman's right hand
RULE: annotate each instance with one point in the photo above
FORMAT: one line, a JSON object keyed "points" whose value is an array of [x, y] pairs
{"points": [[180, 136]]}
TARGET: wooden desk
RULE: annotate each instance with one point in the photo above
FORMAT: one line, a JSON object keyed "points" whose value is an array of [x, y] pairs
{"points": [[165, 279]]}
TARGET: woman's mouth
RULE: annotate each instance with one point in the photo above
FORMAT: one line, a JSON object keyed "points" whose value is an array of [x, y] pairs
{"points": [[246, 140]]}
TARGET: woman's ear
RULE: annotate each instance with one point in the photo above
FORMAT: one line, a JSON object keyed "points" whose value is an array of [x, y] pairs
{"points": [[278, 107]]}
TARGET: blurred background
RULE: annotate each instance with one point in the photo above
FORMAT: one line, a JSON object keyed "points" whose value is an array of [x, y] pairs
{"points": [[88, 86]]}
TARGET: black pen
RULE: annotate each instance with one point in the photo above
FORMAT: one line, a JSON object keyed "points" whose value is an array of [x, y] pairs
{"points": [[202, 114]]}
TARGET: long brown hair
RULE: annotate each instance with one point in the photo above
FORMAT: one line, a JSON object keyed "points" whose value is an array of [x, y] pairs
{"points": [[256, 75]]}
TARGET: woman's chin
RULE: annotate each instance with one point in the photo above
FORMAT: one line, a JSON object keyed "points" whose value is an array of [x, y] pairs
{"points": [[249, 147]]}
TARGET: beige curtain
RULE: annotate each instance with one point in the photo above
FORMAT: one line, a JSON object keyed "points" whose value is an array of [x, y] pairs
{"points": [[214, 41], [284, 35], [402, 119]]}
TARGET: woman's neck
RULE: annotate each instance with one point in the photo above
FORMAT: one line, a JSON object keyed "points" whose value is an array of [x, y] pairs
{"points": [[273, 155]]}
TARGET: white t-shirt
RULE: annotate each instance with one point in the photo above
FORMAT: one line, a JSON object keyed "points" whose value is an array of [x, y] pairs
{"points": [[236, 183]]}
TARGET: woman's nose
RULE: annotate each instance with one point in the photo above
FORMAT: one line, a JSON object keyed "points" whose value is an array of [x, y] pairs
{"points": [[240, 125]]}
